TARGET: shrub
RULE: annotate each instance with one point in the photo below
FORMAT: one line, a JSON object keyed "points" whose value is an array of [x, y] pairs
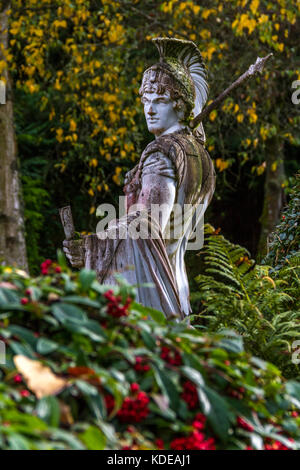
{"points": [[285, 240], [234, 292], [89, 368]]}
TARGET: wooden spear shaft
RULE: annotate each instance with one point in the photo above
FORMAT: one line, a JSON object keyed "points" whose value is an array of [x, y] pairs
{"points": [[254, 68]]}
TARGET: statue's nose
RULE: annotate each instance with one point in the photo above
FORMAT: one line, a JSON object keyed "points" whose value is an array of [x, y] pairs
{"points": [[151, 111]]}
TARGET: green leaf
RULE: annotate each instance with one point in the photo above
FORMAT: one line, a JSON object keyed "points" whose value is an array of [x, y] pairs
{"points": [[67, 437], [46, 346], [94, 438], [148, 340], [24, 334], [76, 299], [61, 259], [23, 349], [48, 410], [65, 312], [167, 386], [90, 328], [86, 278], [8, 296], [17, 442], [156, 315], [218, 414], [193, 375]]}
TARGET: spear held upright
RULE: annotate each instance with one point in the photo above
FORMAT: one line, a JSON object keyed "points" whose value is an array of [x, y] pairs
{"points": [[254, 68]]}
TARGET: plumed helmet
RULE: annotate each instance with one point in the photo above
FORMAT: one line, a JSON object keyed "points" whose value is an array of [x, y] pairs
{"points": [[181, 70]]}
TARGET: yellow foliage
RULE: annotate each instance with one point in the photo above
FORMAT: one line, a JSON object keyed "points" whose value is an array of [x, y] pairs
{"points": [[116, 33], [252, 115], [240, 117], [52, 114], [59, 135], [93, 162], [244, 22], [91, 192], [263, 19], [73, 125], [222, 164], [261, 168], [213, 115], [207, 54], [116, 176], [263, 132], [205, 34], [207, 12], [254, 6], [59, 24]]}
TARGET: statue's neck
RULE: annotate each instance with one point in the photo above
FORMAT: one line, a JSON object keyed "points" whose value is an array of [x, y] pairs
{"points": [[175, 128]]}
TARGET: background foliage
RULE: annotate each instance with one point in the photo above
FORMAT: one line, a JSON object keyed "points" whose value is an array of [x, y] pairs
{"points": [[77, 67]]}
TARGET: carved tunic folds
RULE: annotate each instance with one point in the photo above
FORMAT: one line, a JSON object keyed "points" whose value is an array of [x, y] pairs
{"points": [[173, 169]]}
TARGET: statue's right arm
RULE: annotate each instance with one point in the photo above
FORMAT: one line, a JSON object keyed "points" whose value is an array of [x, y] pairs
{"points": [[158, 187]]}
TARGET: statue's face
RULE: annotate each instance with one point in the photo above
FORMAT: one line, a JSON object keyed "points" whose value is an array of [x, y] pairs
{"points": [[159, 112]]}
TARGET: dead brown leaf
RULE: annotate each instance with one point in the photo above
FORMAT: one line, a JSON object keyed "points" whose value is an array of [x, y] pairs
{"points": [[39, 378]]}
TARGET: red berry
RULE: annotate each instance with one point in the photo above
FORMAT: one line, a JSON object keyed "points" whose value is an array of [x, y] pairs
{"points": [[24, 301], [190, 395], [58, 269], [159, 443], [28, 292], [18, 378], [24, 393], [134, 387]]}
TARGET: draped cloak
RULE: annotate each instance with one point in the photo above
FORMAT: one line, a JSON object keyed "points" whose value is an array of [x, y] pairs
{"points": [[159, 259]]}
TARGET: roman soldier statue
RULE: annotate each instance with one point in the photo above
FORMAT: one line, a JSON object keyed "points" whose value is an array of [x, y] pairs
{"points": [[174, 171]]}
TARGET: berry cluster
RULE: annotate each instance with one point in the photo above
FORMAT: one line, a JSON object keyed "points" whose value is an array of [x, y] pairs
{"points": [[134, 409], [190, 395], [49, 265], [114, 305], [171, 357], [140, 364], [276, 445], [194, 441]]}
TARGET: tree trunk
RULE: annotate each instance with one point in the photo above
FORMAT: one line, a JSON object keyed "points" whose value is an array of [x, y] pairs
{"points": [[273, 193], [12, 237]]}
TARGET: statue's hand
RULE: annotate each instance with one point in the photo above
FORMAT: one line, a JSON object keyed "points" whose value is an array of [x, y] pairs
{"points": [[74, 251]]}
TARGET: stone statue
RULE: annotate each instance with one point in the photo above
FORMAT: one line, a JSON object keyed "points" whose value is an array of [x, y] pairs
{"points": [[174, 170]]}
